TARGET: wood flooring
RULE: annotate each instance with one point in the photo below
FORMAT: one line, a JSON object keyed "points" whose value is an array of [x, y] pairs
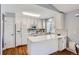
{"points": [[64, 52], [22, 50], [19, 50]]}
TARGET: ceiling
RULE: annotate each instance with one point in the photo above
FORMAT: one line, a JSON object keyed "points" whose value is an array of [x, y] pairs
{"points": [[19, 8], [66, 7]]}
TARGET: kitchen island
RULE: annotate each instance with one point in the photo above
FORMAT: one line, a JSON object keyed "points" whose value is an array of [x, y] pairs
{"points": [[42, 44]]}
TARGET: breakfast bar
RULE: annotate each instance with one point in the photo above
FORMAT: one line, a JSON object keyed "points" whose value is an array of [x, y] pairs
{"points": [[42, 44]]}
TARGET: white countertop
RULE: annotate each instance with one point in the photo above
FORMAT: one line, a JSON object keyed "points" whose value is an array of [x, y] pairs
{"points": [[60, 36], [43, 37]]}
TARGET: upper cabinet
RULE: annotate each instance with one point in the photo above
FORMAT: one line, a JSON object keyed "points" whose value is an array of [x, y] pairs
{"points": [[44, 24], [39, 23], [59, 21]]}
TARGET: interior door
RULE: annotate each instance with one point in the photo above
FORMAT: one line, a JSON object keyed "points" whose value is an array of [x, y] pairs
{"points": [[9, 34]]}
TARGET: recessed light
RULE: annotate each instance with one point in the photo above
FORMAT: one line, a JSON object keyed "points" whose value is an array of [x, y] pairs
{"points": [[31, 14]]}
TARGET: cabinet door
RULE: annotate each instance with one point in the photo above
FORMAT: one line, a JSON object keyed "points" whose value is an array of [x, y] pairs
{"points": [[59, 21], [39, 23], [24, 34], [22, 24], [55, 45], [62, 43], [44, 23], [9, 34], [18, 34], [44, 47]]}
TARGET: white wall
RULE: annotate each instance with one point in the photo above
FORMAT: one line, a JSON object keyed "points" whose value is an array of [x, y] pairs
{"points": [[72, 26], [0, 30]]}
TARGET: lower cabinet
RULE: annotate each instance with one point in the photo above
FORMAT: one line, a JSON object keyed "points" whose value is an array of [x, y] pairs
{"points": [[62, 43], [43, 48]]}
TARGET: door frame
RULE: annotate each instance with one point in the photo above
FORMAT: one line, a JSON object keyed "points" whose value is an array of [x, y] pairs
{"points": [[3, 28]]}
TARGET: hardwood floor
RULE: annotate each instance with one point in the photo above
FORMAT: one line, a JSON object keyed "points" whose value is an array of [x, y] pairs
{"points": [[20, 50], [64, 52]]}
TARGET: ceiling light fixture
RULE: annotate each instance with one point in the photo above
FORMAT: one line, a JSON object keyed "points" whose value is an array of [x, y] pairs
{"points": [[77, 15], [30, 14]]}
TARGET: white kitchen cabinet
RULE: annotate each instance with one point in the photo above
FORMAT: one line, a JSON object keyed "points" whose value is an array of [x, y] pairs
{"points": [[18, 35], [39, 23], [22, 24], [43, 23], [21, 34], [59, 20], [40, 45], [24, 34], [45, 47], [62, 43]]}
